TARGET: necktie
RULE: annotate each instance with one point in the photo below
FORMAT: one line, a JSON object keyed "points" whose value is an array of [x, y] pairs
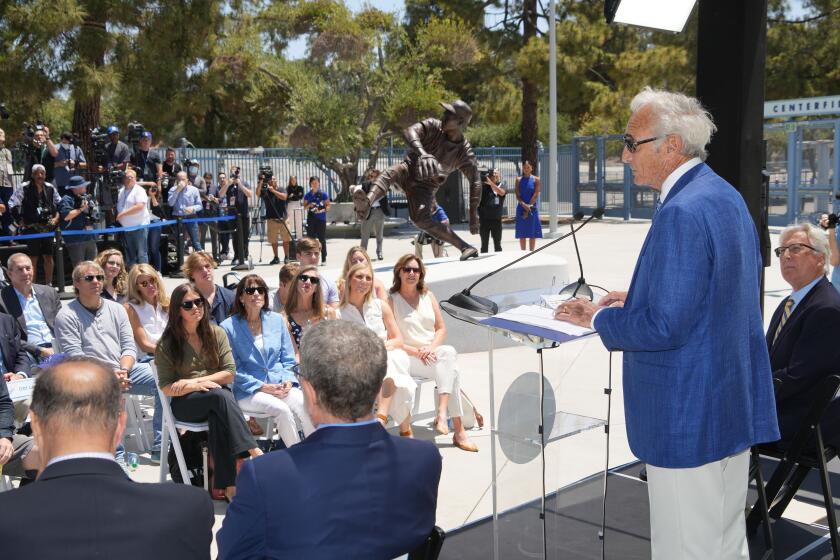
{"points": [[657, 207], [785, 317]]}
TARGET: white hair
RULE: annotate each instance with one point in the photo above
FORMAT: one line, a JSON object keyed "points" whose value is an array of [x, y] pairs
{"points": [[679, 114], [38, 167], [816, 238]]}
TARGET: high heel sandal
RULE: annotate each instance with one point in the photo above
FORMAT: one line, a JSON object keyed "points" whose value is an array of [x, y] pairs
{"points": [[469, 446], [408, 433], [441, 427]]}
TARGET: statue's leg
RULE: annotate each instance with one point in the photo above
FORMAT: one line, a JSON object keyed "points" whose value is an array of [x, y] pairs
{"points": [[421, 200], [362, 201]]}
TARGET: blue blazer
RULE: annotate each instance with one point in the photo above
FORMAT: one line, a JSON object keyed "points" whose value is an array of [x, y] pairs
{"points": [[352, 492], [697, 383], [254, 368]]}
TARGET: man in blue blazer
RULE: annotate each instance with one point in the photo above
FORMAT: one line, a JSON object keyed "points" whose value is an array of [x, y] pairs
{"points": [[697, 385], [350, 490]]}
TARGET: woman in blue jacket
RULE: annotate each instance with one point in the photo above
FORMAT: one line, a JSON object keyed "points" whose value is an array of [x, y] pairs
{"points": [[264, 356]]}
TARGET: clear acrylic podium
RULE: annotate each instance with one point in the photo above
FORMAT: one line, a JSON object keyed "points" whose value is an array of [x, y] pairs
{"points": [[524, 424]]}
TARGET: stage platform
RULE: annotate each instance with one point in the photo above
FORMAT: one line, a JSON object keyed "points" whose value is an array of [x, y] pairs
{"points": [[609, 249]]}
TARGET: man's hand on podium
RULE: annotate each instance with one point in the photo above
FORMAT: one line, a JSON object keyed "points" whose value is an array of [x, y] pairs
{"points": [[580, 312]]}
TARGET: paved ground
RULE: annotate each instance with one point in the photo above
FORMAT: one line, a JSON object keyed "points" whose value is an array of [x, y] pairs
{"points": [[577, 373]]}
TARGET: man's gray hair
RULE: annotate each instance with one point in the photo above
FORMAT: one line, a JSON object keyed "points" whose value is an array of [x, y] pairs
{"points": [[679, 114], [816, 238], [38, 167], [345, 363], [15, 256]]}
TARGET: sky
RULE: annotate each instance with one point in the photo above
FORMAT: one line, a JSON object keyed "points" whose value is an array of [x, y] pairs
{"points": [[297, 48]]}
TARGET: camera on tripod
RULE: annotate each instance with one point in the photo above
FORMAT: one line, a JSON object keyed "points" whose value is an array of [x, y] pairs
{"points": [[99, 142], [266, 173], [135, 131]]}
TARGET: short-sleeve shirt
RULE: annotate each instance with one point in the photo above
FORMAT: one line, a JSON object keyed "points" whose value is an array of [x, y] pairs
{"points": [[317, 200], [137, 195], [67, 204], [329, 291], [147, 163], [117, 153], [61, 175]]}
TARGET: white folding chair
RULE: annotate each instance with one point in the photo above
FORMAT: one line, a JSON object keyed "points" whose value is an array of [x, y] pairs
{"points": [[269, 429], [468, 419], [135, 425], [169, 431]]}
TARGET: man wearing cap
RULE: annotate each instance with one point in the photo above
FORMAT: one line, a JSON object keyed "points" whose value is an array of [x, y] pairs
{"points": [[436, 148], [76, 213], [117, 152], [69, 159]]}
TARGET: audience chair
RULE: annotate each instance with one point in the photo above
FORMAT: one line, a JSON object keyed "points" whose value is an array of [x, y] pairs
{"points": [[169, 431], [135, 425], [806, 451], [430, 549], [5, 483]]}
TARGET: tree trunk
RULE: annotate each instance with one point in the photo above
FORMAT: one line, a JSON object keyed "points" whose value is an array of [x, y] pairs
{"points": [[529, 90], [92, 44]]}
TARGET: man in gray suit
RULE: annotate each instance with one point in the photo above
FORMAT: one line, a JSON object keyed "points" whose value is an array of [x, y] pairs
{"points": [[34, 306]]}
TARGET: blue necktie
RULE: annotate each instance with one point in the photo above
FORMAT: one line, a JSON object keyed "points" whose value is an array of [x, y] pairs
{"points": [[657, 206]]}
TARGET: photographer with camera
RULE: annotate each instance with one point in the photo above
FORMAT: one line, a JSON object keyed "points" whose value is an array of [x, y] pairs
{"points": [[7, 185], [78, 211], [150, 168], [132, 210], [69, 160], [490, 209], [171, 168], [185, 202], [317, 203], [235, 194], [275, 213], [34, 205], [117, 152], [40, 150]]}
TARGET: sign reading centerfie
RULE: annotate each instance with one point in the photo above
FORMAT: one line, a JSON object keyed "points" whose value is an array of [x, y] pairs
{"points": [[802, 107]]}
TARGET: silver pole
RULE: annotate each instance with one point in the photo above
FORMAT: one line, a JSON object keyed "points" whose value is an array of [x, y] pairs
{"points": [[552, 135]]}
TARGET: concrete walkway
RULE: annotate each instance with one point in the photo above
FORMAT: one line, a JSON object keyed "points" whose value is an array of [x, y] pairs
{"points": [[577, 374]]}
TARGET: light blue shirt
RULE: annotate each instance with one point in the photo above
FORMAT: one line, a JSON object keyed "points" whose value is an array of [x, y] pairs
{"points": [[350, 425], [82, 455], [37, 331], [181, 202], [800, 294]]}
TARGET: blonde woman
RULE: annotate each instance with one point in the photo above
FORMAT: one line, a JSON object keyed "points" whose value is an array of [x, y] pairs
{"points": [[116, 277], [358, 255], [358, 305], [147, 307]]}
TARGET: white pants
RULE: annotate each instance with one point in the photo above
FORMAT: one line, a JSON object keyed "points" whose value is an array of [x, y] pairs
{"points": [[698, 513], [444, 372], [284, 412], [399, 371]]}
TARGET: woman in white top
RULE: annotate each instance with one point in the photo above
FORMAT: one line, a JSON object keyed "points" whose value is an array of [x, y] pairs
{"points": [[423, 330], [358, 305], [148, 309]]}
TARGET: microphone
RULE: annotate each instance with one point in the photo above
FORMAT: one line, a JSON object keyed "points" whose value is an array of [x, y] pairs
{"points": [[580, 287], [465, 300]]}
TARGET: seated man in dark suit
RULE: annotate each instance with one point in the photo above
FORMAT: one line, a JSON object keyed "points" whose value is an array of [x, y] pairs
{"points": [[350, 490], [804, 334], [83, 506], [34, 306], [18, 455]]}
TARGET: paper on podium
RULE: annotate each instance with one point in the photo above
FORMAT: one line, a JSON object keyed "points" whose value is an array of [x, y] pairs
{"points": [[538, 321]]}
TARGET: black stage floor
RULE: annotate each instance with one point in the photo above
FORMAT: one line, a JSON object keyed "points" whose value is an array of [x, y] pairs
{"points": [[574, 518]]}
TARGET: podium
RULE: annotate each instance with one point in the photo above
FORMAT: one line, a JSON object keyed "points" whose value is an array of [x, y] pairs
{"points": [[523, 425]]}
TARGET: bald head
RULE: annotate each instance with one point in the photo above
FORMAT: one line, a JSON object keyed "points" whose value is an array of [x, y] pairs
{"points": [[78, 394]]}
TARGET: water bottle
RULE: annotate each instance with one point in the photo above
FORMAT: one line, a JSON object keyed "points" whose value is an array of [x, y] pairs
{"points": [[132, 461]]}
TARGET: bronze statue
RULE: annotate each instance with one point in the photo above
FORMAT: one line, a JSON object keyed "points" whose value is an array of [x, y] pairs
{"points": [[436, 148]]}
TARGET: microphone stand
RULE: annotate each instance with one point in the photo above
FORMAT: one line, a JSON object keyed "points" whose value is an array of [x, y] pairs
{"points": [[465, 300], [580, 286]]}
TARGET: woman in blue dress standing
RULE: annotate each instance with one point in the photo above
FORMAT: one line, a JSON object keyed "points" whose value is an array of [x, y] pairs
{"points": [[528, 224]]}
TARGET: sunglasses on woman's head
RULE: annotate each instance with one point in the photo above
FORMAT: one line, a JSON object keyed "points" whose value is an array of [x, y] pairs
{"points": [[92, 277], [190, 303], [251, 290], [410, 269], [314, 280]]}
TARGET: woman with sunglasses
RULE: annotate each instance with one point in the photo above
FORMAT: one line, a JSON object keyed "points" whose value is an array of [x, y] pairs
{"points": [[358, 305], [116, 278], [528, 224], [264, 356], [148, 309], [423, 330], [305, 305], [194, 363], [355, 256]]}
